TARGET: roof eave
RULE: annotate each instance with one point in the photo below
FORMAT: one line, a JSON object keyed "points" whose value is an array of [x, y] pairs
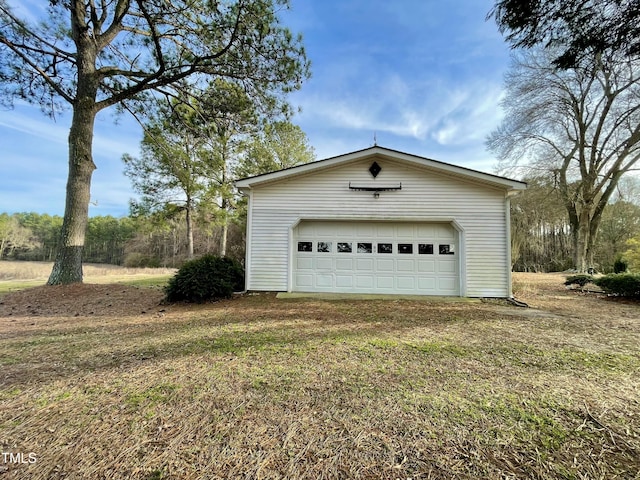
{"points": [[494, 180]]}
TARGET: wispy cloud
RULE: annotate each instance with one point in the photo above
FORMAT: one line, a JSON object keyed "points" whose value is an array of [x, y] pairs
{"points": [[424, 111], [474, 114], [25, 120]]}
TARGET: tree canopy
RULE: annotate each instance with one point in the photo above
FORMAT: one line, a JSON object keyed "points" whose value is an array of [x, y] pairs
{"points": [[93, 55], [579, 29], [118, 49], [187, 150], [279, 145]]}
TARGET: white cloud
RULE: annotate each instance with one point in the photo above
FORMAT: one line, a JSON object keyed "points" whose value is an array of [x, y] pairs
{"points": [[425, 110], [475, 114], [110, 138], [40, 127]]}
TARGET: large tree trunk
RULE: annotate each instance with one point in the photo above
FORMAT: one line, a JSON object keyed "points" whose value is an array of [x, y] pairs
{"points": [[68, 264], [580, 247], [223, 240], [584, 238]]}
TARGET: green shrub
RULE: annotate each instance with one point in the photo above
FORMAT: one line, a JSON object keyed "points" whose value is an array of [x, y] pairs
{"points": [[623, 284], [581, 279], [620, 266], [206, 278]]}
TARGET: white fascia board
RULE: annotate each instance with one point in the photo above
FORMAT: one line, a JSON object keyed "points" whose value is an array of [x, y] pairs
{"points": [[445, 168], [293, 171], [455, 170]]}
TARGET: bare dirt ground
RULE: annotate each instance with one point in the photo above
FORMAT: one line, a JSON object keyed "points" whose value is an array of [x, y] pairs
{"points": [[81, 300]]}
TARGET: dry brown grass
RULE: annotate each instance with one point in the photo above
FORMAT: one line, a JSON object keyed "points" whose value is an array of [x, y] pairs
{"points": [[93, 273], [16, 276], [262, 388]]}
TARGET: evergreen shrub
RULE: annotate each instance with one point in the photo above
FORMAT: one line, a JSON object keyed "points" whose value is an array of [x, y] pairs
{"points": [[581, 279], [622, 284], [206, 278], [620, 266]]}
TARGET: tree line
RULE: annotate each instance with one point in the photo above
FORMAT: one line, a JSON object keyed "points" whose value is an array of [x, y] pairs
{"points": [[540, 234], [541, 231], [150, 241], [191, 154]]}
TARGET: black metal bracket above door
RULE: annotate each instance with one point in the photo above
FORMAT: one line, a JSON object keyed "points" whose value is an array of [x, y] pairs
{"points": [[375, 189]]}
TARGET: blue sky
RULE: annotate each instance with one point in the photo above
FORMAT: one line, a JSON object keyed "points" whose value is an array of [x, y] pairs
{"points": [[424, 76]]}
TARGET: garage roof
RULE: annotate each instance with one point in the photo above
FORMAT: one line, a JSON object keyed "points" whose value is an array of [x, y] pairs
{"points": [[381, 152]]}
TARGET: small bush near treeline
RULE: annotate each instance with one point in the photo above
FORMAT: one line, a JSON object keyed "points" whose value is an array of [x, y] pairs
{"points": [[620, 266], [622, 284], [206, 278], [580, 279], [140, 260]]}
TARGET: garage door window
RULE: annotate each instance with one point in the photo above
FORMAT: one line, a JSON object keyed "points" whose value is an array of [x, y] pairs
{"points": [[324, 247], [305, 246], [365, 247], [446, 249], [425, 248], [344, 247], [405, 248], [385, 248]]}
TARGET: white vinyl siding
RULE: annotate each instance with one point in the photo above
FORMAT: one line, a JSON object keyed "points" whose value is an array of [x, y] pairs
{"points": [[477, 210]]}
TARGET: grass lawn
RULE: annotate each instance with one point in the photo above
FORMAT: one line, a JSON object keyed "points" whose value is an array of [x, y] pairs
{"points": [[265, 388]]}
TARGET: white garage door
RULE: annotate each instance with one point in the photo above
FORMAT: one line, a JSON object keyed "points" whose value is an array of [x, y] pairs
{"points": [[376, 257]]}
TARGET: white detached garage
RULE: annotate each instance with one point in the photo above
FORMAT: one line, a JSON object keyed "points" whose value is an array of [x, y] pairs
{"points": [[379, 221]]}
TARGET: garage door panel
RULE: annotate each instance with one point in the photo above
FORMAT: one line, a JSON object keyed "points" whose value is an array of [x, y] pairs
{"points": [[324, 263], [365, 281], [385, 282], [345, 229], [405, 283], [447, 283], [445, 234], [304, 280], [426, 231], [324, 280], [364, 265], [344, 264], [306, 230], [426, 266], [427, 283], [364, 230], [385, 265], [384, 257], [305, 263], [405, 231], [447, 266], [385, 231], [403, 265]]}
